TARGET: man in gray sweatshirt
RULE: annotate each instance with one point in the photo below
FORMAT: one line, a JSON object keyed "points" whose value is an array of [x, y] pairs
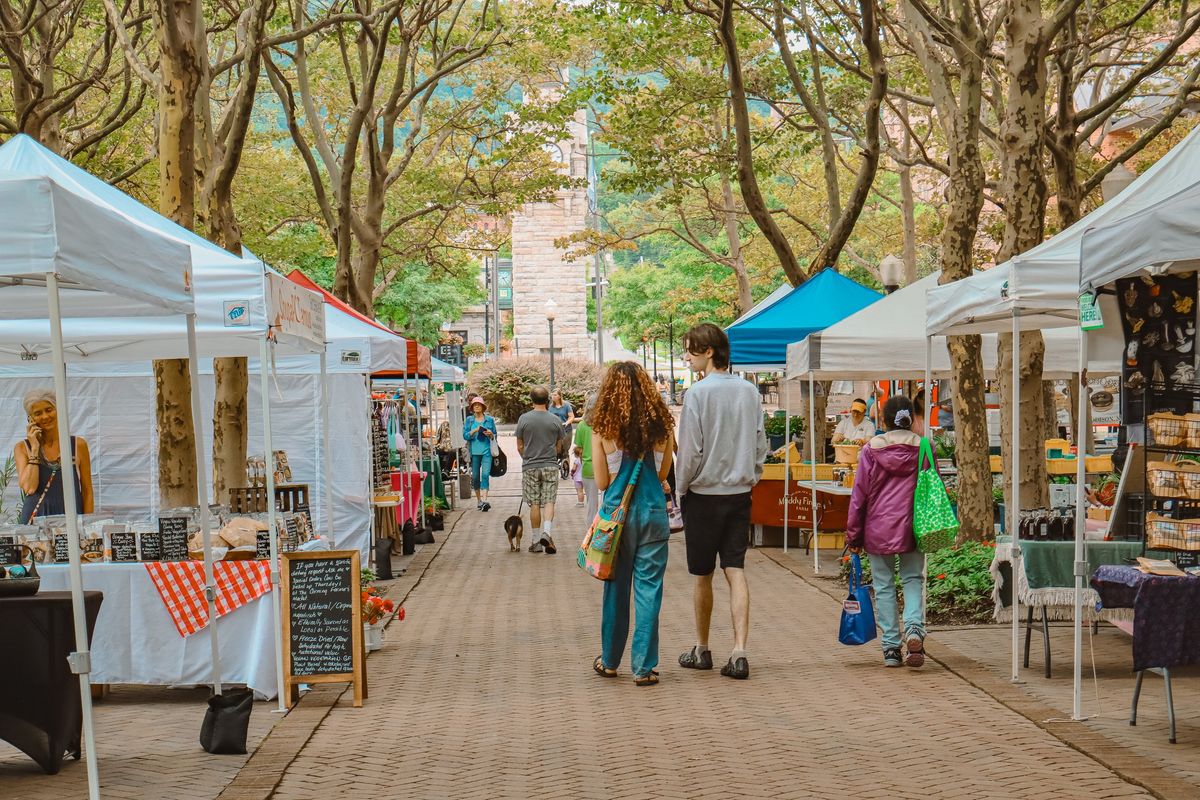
{"points": [[722, 446]]}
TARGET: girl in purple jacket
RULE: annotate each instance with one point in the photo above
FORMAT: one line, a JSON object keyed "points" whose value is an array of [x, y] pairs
{"points": [[881, 523]]}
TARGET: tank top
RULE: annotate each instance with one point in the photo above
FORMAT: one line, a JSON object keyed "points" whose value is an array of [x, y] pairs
{"points": [[52, 504]]}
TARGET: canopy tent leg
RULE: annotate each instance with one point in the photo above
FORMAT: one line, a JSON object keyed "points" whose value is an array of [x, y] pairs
{"points": [[928, 388], [420, 449], [1014, 477], [326, 453], [1081, 439], [812, 457], [271, 522], [787, 468], [81, 659], [210, 577]]}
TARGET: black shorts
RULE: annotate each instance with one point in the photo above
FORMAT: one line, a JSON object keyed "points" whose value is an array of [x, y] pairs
{"points": [[715, 523]]}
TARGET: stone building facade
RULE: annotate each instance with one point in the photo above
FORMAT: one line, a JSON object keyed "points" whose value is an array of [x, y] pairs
{"points": [[540, 270]]}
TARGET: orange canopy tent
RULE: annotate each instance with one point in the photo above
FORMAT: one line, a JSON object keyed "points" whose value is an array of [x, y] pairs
{"points": [[420, 361]]}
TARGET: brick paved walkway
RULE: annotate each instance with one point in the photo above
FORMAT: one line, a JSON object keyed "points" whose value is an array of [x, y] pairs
{"points": [[487, 691]]}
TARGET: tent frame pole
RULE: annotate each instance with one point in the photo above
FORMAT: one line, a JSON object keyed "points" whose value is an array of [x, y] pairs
{"points": [[80, 660], [327, 455], [276, 593], [202, 509], [787, 467], [1015, 493], [812, 444], [1081, 567]]}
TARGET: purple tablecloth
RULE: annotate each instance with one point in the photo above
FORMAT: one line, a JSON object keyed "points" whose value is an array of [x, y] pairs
{"points": [[1166, 614]]}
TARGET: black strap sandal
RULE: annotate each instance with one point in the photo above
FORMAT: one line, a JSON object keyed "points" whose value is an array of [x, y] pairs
{"points": [[601, 670], [649, 679]]}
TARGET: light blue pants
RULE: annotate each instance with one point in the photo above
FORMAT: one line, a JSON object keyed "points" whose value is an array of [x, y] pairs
{"points": [[481, 471], [640, 568], [883, 579]]}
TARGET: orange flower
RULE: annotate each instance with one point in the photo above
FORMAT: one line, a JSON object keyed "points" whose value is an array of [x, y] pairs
{"points": [[942, 577], [845, 559]]}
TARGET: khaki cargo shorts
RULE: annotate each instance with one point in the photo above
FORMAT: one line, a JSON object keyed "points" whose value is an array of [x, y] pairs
{"points": [[539, 486]]}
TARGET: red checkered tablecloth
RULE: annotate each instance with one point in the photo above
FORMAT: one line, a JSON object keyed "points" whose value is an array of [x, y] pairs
{"points": [[180, 584]]}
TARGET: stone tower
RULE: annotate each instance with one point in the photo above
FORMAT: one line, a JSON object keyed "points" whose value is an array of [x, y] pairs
{"points": [[540, 271]]}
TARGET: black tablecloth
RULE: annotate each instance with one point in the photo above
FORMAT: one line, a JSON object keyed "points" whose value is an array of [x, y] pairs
{"points": [[40, 710], [1166, 614]]}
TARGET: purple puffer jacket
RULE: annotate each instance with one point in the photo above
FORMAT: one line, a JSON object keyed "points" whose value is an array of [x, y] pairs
{"points": [[881, 506]]}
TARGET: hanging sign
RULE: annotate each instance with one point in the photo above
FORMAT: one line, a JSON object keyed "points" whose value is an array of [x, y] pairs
{"points": [[295, 311], [1090, 318]]}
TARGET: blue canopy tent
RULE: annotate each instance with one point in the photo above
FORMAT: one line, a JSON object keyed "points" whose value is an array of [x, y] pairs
{"points": [[759, 340]]}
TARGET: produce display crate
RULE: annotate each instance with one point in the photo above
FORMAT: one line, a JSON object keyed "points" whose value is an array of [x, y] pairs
{"points": [[1062, 466], [804, 472], [997, 464], [1103, 513], [1164, 533], [1099, 463]]}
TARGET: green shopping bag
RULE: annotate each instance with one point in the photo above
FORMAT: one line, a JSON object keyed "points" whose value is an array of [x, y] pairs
{"points": [[934, 523]]}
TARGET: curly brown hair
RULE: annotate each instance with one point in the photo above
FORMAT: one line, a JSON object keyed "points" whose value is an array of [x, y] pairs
{"points": [[629, 410]]}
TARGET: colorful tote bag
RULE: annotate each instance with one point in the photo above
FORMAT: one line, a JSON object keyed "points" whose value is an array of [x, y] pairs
{"points": [[597, 554], [858, 615], [934, 524]]}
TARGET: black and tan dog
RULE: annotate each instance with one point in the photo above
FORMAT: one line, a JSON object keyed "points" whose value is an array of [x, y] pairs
{"points": [[514, 527]]}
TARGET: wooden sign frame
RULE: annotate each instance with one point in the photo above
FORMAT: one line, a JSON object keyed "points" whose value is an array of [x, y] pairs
{"points": [[358, 675]]}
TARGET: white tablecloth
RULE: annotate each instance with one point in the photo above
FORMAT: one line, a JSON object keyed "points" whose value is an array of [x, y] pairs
{"points": [[135, 640]]}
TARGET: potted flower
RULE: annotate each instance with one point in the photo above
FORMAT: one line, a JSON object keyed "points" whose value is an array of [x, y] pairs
{"points": [[374, 609]]}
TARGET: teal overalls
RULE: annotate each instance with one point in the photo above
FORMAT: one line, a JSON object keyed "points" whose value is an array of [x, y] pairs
{"points": [[641, 565]]}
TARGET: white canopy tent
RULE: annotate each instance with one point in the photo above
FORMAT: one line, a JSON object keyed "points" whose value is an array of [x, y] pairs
{"points": [[239, 310], [446, 373], [1038, 286], [1160, 239], [887, 340], [72, 253]]}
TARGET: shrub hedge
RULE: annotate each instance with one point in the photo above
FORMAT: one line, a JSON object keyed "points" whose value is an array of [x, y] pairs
{"points": [[505, 384]]}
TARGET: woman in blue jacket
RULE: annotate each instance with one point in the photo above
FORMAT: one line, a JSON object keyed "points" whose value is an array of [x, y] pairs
{"points": [[480, 431]]}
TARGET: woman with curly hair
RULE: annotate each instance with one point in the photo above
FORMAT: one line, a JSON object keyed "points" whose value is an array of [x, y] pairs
{"points": [[632, 441]]}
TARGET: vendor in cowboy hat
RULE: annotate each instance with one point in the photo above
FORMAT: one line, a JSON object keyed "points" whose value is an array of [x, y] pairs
{"points": [[479, 430], [854, 428]]}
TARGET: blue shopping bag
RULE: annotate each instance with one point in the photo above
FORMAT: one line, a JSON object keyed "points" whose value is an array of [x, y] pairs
{"points": [[858, 615]]}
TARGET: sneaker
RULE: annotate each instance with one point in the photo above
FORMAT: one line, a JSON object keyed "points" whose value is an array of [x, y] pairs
{"points": [[693, 659], [738, 670], [891, 657], [579, 504], [479, 506], [916, 650], [536, 547], [548, 545], [485, 506]]}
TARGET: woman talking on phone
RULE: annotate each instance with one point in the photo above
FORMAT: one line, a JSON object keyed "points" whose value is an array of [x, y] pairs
{"points": [[38, 462]]}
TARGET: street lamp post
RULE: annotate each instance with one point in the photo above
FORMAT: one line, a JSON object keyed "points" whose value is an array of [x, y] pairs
{"points": [[643, 352], [551, 313]]}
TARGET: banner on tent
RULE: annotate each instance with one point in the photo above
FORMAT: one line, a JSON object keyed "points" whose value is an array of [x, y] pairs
{"points": [[295, 311]]}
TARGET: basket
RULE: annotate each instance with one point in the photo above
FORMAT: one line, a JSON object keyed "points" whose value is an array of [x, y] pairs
{"points": [[804, 472], [1173, 479], [1193, 431], [1163, 533], [1169, 430], [846, 453]]}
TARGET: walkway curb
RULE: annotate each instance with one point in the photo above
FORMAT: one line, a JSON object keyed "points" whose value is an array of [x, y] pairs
{"points": [[263, 771], [1120, 760]]}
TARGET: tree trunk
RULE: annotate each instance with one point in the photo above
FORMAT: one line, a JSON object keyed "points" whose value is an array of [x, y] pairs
{"points": [[752, 196], [1050, 415], [1022, 138], [1032, 463], [1089, 444], [737, 262], [971, 438], [175, 25], [229, 426], [176, 444]]}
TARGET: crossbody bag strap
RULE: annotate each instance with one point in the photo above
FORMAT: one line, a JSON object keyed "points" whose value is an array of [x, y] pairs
{"points": [[41, 497]]}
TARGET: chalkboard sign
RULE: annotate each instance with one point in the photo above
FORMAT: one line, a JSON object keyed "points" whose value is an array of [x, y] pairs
{"points": [[302, 508], [10, 551], [322, 627], [262, 545], [122, 546], [152, 546], [291, 527], [174, 532], [62, 551]]}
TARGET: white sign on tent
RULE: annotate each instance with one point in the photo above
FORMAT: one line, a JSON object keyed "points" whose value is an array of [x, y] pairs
{"points": [[295, 311]]}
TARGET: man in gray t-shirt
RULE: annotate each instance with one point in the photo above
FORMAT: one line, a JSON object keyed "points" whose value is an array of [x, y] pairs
{"points": [[538, 433]]}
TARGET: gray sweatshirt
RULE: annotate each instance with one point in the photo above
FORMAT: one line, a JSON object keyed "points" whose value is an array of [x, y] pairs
{"points": [[721, 439]]}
